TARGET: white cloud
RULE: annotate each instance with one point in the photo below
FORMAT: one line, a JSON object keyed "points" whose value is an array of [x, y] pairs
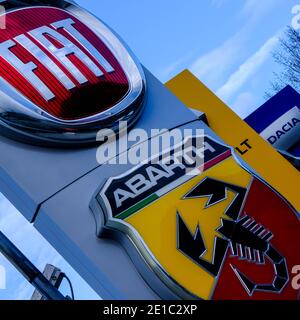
{"points": [[244, 104], [217, 63], [218, 3], [256, 9], [212, 66], [247, 69], [164, 74]]}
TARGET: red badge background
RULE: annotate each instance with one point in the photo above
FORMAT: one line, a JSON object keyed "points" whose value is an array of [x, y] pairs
{"points": [[85, 100], [273, 213]]}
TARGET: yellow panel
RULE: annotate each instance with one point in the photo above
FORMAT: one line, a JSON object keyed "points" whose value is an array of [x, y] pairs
{"points": [[157, 226], [265, 160]]}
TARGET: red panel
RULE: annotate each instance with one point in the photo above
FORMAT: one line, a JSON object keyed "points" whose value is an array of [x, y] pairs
{"points": [[85, 100], [272, 212]]}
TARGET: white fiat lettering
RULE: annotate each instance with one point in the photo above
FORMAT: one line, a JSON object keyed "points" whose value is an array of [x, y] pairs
{"points": [[67, 25], [43, 36], [62, 54], [26, 69], [45, 60]]}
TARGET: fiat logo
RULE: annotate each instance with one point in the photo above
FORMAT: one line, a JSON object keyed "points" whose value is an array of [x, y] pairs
{"points": [[64, 76]]}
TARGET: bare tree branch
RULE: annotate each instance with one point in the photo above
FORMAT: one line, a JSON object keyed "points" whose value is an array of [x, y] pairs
{"points": [[288, 56]]}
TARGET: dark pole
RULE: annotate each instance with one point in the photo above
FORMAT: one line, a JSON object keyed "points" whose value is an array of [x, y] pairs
{"points": [[28, 270]]}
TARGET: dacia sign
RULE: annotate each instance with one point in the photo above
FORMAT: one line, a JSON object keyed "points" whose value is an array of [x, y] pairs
{"points": [[278, 122], [285, 131]]}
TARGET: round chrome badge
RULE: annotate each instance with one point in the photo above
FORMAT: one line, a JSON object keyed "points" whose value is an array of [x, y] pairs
{"points": [[64, 75]]}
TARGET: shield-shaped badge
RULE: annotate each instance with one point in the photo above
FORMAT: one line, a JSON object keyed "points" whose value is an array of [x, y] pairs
{"points": [[219, 233]]}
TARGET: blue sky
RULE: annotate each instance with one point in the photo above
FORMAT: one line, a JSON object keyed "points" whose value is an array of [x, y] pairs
{"points": [[226, 43]]}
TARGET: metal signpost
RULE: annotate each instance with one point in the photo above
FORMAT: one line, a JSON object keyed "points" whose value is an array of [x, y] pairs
{"points": [[28, 270], [184, 221]]}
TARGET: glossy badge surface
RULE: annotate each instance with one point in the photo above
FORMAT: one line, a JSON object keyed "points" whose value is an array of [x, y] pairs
{"points": [[221, 233], [64, 75]]}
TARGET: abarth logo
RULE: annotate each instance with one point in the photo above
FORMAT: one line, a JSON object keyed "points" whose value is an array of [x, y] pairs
{"points": [[148, 182], [247, 239], [211, 235]]}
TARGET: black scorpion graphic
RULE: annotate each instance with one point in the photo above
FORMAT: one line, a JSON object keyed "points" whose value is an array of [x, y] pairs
{"points": [[247, 239]]}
